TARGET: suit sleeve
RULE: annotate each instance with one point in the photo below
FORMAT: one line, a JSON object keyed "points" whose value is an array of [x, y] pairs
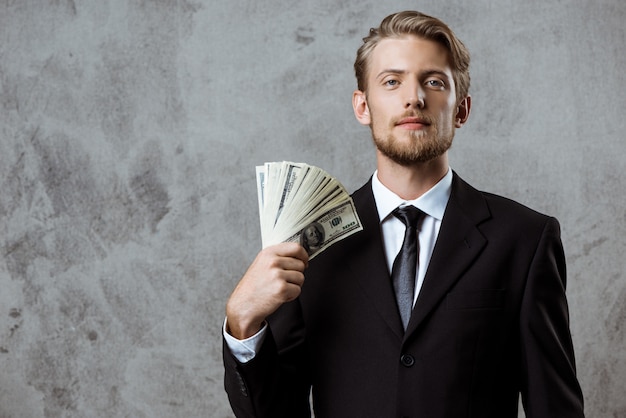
{"points": [[550, 387], [274, 384]]}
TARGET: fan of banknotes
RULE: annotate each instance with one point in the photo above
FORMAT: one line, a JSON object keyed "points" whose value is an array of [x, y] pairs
{"points": [[302, 203]]}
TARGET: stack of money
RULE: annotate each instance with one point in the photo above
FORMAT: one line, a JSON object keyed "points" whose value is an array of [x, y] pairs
{"points": [[302, 203]]}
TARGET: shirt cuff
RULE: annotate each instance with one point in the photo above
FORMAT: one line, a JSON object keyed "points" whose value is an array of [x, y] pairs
{"points": [[245, 350]]}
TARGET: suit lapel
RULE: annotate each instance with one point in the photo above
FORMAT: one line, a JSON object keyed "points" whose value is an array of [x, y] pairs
{"points": [[368, 262], [458, 244]]}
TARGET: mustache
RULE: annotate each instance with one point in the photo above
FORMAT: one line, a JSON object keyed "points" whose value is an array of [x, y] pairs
{"points": [[414, 115]]}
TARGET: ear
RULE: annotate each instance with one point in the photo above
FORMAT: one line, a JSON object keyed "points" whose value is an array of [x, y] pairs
{"points": [[462, 112], [361, 110]]}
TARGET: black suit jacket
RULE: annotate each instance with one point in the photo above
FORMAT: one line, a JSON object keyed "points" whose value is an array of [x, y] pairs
{"points": [[490, 322]]}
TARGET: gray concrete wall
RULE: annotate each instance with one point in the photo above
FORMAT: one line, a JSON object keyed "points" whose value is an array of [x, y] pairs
{"points": [[129, 135]]}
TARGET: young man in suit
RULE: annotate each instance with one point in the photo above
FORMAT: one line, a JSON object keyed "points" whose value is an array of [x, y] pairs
{"points": [[487, 316]]}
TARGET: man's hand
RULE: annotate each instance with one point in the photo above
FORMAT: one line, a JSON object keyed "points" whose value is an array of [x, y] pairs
{"points": [[274, 277]]}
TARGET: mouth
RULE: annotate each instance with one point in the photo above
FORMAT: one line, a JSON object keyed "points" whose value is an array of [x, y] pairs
{"points": [[412, 123]]}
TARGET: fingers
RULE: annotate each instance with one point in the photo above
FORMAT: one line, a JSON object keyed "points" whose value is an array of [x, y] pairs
{"points": [[290, 250], [274, 278], [289, 265], [287, 288], [282, 263]]}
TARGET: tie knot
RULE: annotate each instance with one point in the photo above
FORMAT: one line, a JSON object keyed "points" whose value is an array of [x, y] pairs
{"points": [[409, 215]]}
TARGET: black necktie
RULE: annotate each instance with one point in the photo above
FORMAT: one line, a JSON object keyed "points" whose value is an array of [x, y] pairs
{"points": [[405, 264]]}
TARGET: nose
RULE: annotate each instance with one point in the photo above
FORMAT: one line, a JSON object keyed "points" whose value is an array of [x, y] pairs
{"points": [[416, 97]]}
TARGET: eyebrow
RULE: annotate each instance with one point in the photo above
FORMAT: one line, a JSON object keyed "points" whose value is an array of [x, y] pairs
{"points": [[425, 73], [389, 71]]}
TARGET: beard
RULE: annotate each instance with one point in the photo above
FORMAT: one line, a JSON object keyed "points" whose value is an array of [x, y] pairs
{"points": [[421, 146]]}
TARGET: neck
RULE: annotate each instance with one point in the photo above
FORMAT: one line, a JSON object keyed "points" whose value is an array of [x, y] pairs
{"points": [[410, 182]]}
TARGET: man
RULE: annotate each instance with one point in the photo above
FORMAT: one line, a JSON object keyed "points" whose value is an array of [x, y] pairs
{"points": [[488, 318]]}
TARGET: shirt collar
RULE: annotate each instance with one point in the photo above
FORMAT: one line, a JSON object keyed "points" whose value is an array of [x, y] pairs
{"points": [[432, 203]]}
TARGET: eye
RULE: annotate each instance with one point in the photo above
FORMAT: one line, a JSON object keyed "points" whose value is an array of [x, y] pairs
{"points": [[435, 83], [392, 82]]}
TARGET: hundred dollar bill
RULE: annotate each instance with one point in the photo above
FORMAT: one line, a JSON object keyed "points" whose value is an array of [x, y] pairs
{"points": [[332, 226], [260, 187], [284, 179], [290, 176], [303, 203]]}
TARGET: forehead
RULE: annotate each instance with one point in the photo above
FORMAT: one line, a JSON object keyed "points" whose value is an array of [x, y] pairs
{"points": [[409, 53]]}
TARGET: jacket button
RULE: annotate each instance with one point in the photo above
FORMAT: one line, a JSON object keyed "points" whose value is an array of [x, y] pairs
{"points": [[407, 360]]}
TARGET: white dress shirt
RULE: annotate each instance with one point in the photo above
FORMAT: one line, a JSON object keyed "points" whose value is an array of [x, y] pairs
{"points": [[433, 203]]}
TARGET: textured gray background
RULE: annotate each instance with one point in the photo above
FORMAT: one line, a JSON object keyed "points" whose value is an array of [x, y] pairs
{"points": [[129, 135]]}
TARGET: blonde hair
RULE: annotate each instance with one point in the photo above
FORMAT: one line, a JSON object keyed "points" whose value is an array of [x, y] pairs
{"points": [[427, 27]]}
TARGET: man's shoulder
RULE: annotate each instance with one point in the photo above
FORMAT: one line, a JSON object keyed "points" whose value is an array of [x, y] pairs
{"points": [[505, 204], [364, 192], [500, 208]]}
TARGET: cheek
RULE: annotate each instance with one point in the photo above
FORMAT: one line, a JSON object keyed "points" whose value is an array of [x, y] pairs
{"points": [[378, 114], [447, 113]]}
